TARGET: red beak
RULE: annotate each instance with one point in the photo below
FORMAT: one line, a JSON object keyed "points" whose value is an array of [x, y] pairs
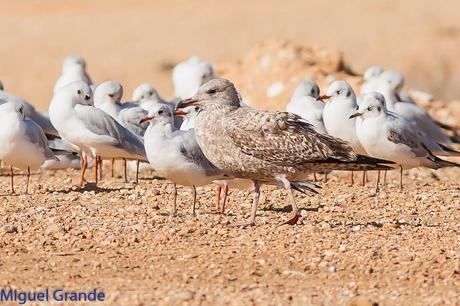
{"points": [[146, 118], [180, 112], [324, 97]]}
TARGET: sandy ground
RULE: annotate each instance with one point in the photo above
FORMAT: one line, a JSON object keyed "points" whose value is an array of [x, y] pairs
{"points": [[138, 41], [351, 247], [392, 248]]}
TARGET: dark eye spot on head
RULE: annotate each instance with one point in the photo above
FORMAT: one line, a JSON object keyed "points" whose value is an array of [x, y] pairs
{"points": [[160, 112], [379, 108], [369, 108], [348, 94], [79, 92]]}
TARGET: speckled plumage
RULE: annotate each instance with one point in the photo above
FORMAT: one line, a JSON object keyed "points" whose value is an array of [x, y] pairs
{"points": [[266, 147]]}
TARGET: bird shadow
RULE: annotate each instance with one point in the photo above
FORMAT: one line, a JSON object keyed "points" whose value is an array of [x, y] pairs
{"points": [[90, 187], [288, 208]]}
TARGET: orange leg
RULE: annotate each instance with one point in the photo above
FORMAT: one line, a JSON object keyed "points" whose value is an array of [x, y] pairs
{"points": [[28, 178], [12, 179], [84, 165], [95, 167], [112, 163], [224, 202]]}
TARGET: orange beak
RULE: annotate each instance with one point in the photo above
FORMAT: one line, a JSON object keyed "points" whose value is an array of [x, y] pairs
{"points": [[324, 97], [146, 118], [180, 112]]}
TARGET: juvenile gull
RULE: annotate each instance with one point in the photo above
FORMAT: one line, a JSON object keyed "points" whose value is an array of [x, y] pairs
{"points": [[73, 69], [23, 143], [175, 154], [387, 135], [95, 132], [267, 147], [306, 103]]}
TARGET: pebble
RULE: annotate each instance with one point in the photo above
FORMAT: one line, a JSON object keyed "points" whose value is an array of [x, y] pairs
{"points": [[10, 229]]}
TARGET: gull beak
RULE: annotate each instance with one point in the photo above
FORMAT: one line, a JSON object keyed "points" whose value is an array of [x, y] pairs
{"points": [[185, 103], [180, 112], [357, 114], [146, 118], [324, 97]]}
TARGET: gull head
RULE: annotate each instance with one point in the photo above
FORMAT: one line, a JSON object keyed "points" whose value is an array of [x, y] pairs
{"points": [[215, 92], [372, 72], [109, 91], [159, 114], [339, 89], [189, 75], [145, 92], [393, 80], [371, 105], [13, 107], [306, 88], [78, 92], [73, 62]]}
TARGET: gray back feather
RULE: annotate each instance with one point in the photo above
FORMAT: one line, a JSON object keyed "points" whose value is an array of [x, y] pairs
{"points": [[100, 123]]}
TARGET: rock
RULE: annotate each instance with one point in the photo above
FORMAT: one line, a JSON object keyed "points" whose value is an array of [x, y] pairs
{"points": [[10, 229], [181, 295], [361, 301]]}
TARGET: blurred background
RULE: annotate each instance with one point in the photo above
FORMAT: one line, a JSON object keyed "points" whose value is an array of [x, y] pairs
{"points": [[138, 41]]}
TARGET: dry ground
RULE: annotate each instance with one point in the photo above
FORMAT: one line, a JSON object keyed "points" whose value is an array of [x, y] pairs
{"points": [[394, 247]]}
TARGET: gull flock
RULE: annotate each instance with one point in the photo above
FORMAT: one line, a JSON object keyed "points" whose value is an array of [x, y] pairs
{"points": [[207, 135]]}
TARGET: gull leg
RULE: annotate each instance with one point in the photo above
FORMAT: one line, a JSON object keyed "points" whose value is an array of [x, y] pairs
{"points": [[377, 183], [84, 165], [28, 178], [364, 178], [12, 179], [295, 210], [95, 167], [112, 163], [101, 169], [314, 177], [218, 192], [225, 198], [384, 177], [137, 170], [325, 177], [352, 179], [400, 177], [125, 173], [194, 200], [255, 201], [175, 200]]}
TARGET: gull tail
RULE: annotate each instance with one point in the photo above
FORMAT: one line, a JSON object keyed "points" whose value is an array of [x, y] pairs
{"points": [[455, 138], [362, 163], [447, 126], [436, 162], [304, 185], [442, 163], [447, 151]]}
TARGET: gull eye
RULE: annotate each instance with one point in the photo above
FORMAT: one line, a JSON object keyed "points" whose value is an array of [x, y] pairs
{"points": [[160, 112], [111, 95], [378, 108], [211, 91], [369, 108], [79, 92]]}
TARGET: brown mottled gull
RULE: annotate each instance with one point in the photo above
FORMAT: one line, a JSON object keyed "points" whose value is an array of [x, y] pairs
{"points": [[267, 147]]}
